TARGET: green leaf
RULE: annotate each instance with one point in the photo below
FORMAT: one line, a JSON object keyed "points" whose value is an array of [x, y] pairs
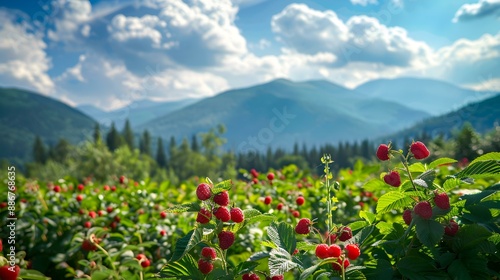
{"points": [[308, 272], [451, 183], [245, 267], [469, 236], [394, 200], [476, 198], [416, 268], [184, 268], [187, 207], [480, 169], [258, 256], [283, 235], [362, 235], [222, 186], [417, 167], [354, 273], [101, 274], [458, 270], [380, 269], [186, 243], [478, 213], [441, 161], [429, 232], [368, 216], [280, 262], [428, 177], [304, 246], [32, 275], [486, 157]]}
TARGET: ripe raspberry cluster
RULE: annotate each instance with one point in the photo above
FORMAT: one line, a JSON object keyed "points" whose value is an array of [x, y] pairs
{"points": [[143, 260], [205, 263]]}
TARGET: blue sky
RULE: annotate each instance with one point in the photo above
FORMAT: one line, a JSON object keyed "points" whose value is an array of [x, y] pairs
{"points": [[109, 53]]}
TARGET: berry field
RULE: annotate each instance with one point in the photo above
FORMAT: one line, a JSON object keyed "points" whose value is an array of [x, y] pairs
{"points": [[399, 218]]}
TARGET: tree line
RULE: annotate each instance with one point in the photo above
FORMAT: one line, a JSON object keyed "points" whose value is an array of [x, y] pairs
{"points": [[203, 154]]}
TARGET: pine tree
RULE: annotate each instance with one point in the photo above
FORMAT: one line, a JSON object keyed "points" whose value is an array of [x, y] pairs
{"points": [[39, 153], [161, 158], [195, 147], [145, 145], [60, 151], [113, 139], [97, 133], [128, 135]]}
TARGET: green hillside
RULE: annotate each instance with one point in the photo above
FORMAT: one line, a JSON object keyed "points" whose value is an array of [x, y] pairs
{"points": [[24, 114], [483, 116], [322, 112]]}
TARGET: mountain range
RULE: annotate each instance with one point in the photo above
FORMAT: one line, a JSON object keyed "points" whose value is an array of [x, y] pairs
{"points": [[137, 112], [277, 113]]}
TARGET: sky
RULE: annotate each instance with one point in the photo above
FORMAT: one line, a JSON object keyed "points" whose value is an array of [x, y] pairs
{"points": [[110, 53]]}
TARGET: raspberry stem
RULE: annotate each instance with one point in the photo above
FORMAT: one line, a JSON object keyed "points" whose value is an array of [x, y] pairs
{"points": [[326, 160]]}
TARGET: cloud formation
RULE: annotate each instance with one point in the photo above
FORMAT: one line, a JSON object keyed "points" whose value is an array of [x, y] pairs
{"points": [[360, 39], [477, 10], [23, 61]]}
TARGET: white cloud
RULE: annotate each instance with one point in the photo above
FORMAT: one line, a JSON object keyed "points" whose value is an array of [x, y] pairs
{"points": [[363, 2], [70, 17], [477, 10], [361, 38], [23, 61], [123, 29]]}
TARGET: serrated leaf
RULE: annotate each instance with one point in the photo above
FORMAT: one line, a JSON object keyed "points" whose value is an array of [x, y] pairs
{"points": [[428, 176], [451, 183], [188, 207], [245, 267], [362, 235], [458, 270], [469, 236], [368, 216], [222, 186], [182, 268], [258, 256], [186, 243], [476, 198], [480, 169], [417, 167], [429, 232], [308, 272], [394, 200], [487, 157], [283, 235], [420, 183], [416, 268], [304, 246], [280, 262], [441, 161]]}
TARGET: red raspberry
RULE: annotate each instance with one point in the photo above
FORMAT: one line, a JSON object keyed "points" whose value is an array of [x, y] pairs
{"points": [[87, 224], [332, 236], [279, 206], [79, 198], [204, 216], [208, 253], [303, 226], [57, 188], [145, 263], [141, 257], [122, 179], [300, 200], [6, 272], [442, 200], [221, 213], [226, 239], [336, 266], [255, 181], [250, 276], [322, 251], [254, 173], [237, 215], [383, 152], [113, 188], [270, 176], [87, 245], [203, 191], [451, 229], [163, 232], [346, 234], [92, 214], [81, 187], [296, 213], [268, 200], [423, 209], [3, 205], [163, 214], [407, 216], [1, 246], [205, 266], [222, 198], [392, 178], [419, 150], [109, 209], [106, 188], [353, 251], [277, 277], [334, 251]]}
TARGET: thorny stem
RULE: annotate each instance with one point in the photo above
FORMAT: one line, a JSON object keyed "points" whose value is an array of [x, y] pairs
{"points": [[327, 160], [405, 163]]}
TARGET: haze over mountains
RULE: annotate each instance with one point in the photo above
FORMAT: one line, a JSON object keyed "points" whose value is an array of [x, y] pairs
{"points": [[277, 113]]}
